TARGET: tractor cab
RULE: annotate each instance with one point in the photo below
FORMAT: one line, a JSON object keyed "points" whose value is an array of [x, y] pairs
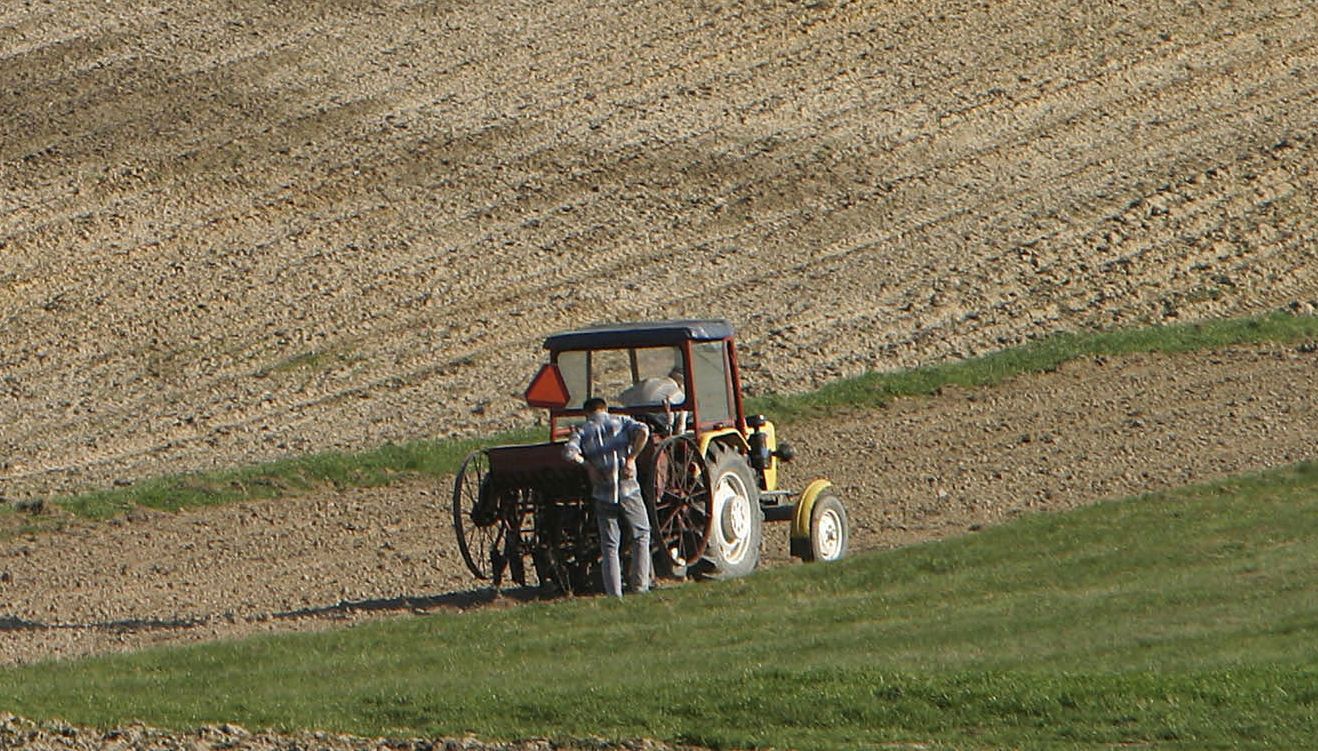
{"points": [[675, 375]]}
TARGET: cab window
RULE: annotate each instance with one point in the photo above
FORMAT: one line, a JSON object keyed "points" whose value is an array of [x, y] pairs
{"points": [[712, 382], [624, 377]]}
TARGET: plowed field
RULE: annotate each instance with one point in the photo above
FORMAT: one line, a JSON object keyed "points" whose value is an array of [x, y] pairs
{"points": [[232, 230]]}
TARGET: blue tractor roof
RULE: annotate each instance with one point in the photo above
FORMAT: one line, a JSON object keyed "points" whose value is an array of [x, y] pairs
{"points": [[640, 334]]}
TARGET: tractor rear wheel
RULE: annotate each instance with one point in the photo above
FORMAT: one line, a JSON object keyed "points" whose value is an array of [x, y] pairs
{"points": [[736, 527]]}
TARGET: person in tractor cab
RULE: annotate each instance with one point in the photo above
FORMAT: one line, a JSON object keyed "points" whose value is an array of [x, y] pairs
{"points": [[607, 445], [663, 392]]}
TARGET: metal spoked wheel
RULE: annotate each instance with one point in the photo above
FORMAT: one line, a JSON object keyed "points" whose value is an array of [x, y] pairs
{"points": [[476, 521], [680, 502]]}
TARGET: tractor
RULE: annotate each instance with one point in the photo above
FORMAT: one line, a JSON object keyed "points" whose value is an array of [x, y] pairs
{"points": [[709, 473]]}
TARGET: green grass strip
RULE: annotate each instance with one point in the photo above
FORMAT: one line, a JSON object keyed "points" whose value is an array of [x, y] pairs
{"points": [[1045, 355], [1184, 619], [437, 457], [372, 468]]}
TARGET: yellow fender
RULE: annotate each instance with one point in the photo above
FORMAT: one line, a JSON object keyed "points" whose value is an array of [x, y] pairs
{"points": [[736, 437], [721, 435], [805, 506]]}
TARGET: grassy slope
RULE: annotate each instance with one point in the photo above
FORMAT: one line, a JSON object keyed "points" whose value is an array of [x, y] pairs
{"points": [[387, 463], [1181, 619], [873, 389]]}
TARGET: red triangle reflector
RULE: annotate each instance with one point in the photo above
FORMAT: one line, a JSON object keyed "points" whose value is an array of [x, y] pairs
{"points": [[547, 389]]}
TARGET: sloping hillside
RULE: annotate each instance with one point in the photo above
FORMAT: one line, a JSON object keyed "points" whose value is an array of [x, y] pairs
{"points": [[231, 229]]}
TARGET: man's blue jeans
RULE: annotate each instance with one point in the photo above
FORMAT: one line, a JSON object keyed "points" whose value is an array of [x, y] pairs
{"points": [[630, 508]]}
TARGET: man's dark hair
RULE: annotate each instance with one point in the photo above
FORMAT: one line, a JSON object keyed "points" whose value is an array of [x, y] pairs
{"points": [[594, 404]]}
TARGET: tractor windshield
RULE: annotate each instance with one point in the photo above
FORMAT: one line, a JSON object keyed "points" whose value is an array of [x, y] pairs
{"points": [[639, 377]]}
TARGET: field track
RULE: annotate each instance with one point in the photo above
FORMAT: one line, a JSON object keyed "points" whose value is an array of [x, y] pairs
{"points": [[230, 231]]}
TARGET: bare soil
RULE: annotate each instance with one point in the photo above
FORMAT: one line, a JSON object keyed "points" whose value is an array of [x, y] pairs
{"points": [[233, 230], [917, 470], [18, 733]]}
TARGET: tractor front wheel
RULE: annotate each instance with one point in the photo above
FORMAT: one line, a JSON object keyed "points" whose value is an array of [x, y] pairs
{"points": [[828, 530]]}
